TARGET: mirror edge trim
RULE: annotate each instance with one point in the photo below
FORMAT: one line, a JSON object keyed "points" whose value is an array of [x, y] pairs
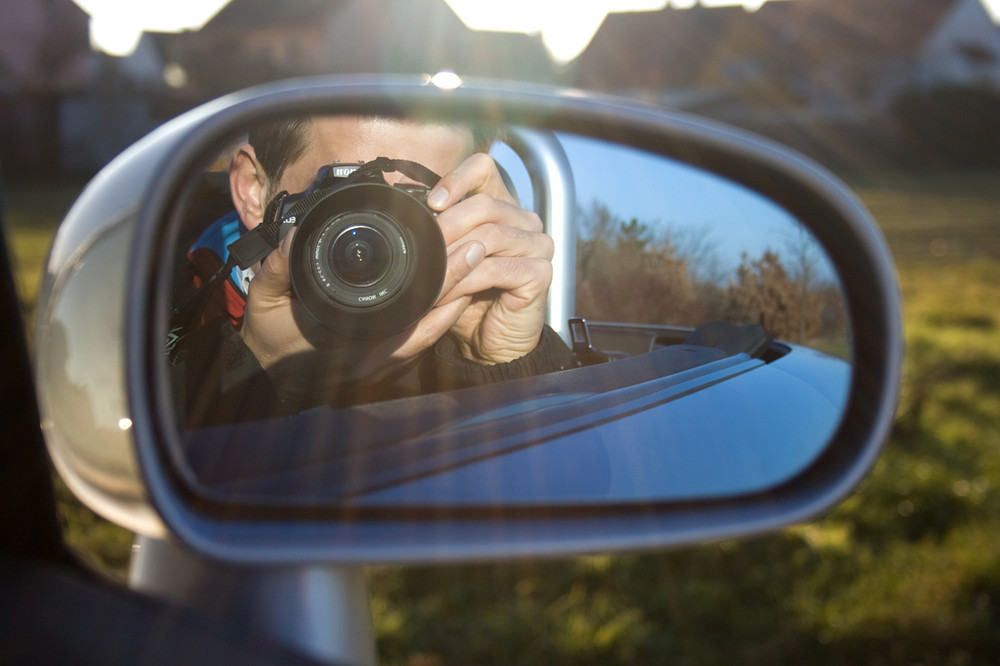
{"points": [[800, 498]]}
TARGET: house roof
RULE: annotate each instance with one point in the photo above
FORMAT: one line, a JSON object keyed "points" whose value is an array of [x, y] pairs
{"points": [[781, 53], [898, 27], [676, 48], [44, 46], [262, 14], [253, 41]]}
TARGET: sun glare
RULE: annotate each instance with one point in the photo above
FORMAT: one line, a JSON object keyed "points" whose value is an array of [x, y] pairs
{"points": [[446, 80], [117, 25], [993, 9], [566, 26]]}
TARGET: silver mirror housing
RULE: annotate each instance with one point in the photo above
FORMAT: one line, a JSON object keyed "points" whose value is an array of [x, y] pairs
{"points": [[105, 390]]}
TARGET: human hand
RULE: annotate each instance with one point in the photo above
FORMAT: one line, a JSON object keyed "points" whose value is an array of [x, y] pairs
{"points": [[310, 364], [493, 298], [505, 294]]}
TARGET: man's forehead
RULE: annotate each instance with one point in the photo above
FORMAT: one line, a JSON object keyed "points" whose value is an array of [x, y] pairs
{"points": [[350, 130], [352, 139]]}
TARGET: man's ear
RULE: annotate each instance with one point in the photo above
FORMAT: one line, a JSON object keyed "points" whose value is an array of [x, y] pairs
{"points": [[247, 185]]}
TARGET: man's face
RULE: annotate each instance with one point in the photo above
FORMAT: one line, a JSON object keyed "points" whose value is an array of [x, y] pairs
{"points": [[363, 139]]}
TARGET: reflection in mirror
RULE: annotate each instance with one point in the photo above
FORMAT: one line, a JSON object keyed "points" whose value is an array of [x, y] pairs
{"points": [[364, 259], [351, 330], [660, 242]]}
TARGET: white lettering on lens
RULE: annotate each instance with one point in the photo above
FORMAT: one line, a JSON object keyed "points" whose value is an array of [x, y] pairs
{"points": [[372, 297]]}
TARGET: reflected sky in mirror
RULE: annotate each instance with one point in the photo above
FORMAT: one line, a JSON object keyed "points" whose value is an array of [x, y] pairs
{"points": [[725, 239], [671, 196]]}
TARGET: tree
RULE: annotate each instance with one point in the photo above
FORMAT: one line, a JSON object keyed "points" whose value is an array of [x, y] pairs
{"points": [[803, 251], [625, 274], [794, 304], [764, 294]]}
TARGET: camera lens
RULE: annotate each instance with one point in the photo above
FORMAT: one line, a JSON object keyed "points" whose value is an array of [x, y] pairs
{"points": [[368, 260], [360, 255]]}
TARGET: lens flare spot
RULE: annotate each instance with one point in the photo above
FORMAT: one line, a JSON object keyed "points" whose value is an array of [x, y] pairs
{"points": [[446, 80]]}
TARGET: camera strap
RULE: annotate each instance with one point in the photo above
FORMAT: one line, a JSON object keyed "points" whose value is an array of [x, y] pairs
{"points": [[253, 246], [240, 255], [408, 168]]}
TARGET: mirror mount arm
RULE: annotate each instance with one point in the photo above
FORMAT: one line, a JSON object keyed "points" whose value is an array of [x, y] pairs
{"points": [[319, 610], [555, 202]]}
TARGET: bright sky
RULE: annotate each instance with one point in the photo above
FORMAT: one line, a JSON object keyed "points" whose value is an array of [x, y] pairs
{"points": [[993, 9], [566, 26], [670, 197], [117, 25]]}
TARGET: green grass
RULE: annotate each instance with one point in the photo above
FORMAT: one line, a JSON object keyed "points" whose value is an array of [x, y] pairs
{"points": [[32, 213], [906, 571], [935, 217]]}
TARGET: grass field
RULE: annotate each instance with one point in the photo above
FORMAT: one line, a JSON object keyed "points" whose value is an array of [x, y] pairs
{"points": [[32, 213], [906, 571], [936, 218]]}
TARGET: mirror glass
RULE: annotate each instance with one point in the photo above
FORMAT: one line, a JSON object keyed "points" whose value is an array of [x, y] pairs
{"points": [[345, 334]]}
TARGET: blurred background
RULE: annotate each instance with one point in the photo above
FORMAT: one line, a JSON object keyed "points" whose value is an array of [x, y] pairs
{"points": [[900, 98]]}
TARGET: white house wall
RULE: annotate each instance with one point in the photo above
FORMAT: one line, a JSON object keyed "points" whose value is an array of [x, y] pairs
{"points": [[942, 59]]}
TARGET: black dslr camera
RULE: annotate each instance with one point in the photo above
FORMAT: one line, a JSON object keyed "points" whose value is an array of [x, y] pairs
{"points": [[368, 258]]}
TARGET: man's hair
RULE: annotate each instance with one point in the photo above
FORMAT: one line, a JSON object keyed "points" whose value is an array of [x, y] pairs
{"points": [[279, 143], [484, 136]]}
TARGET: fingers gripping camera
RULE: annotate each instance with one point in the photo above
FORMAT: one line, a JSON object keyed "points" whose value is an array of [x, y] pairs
{"points": [[368, 259]]}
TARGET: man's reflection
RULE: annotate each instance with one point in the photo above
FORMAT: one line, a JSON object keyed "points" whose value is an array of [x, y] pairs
{"points": [[255, 355]]}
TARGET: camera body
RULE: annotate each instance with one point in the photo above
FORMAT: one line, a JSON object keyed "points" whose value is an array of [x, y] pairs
{"points": [[368, 258]]}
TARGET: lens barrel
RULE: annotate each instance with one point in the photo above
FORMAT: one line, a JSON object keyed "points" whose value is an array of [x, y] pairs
{"points": [[368, 260]]}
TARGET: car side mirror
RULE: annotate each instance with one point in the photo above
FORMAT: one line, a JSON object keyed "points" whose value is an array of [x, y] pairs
{"points": [[727, 310]]}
